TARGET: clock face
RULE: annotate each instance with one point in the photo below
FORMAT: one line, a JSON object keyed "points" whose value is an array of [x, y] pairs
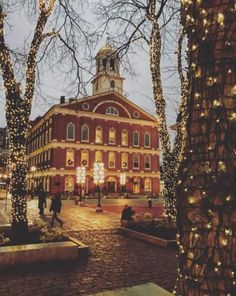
{"points": [[85, 106]]}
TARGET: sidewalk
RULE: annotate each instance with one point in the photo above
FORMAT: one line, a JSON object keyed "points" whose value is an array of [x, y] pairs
{"points": [[115, 261]]}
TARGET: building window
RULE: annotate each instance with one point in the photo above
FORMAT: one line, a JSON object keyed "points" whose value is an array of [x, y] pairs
{"points": [[147, 140], [136, 139], [98, 135], [112, 65], [70, 131], [112, 136], [147, 161], [112, 84], [98, 156], [70, 157], [112, 159], [124, 138], [85, 133], [135, 161], [69, 183], [104, 64], [112, 111], [147, 185], [50, 135], [84, 158], [124, 160]]}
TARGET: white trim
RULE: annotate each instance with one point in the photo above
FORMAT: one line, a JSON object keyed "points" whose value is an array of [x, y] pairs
{"points": [[136, 168], [70, 123], [147, 133], [136, 145]]}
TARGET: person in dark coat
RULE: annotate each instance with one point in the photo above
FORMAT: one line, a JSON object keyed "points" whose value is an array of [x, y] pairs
{"points": [[56, 209], [127, 213], [41, 200]]}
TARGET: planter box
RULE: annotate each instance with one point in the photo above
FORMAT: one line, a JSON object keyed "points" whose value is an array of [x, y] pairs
{"points": [[147, 238], [42, 252]]}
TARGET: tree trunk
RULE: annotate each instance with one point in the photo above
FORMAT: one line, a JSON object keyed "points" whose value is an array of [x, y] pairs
{"points": [[206, 196], [17, 130]]}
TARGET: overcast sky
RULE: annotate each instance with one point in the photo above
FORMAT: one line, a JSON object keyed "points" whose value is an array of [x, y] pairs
{"points": [[137, 88]]}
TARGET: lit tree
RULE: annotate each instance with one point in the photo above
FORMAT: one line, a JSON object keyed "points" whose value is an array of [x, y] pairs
{"points": [[206, 194], [145, 20], [48, 45]]}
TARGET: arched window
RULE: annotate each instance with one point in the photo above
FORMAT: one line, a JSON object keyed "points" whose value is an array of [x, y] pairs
{"points": [[98, 156], [98, 135], [124, 138], [70, 131], [104, 64], [112, 84], [84, 158], [69, 183], [147, 161], [112, 160], [124, 160], [112, 111], [112, 65], [85, 133], [147, 140], [136, 138], [112, 136], [70, 157], [135, 161], [147, 185]]}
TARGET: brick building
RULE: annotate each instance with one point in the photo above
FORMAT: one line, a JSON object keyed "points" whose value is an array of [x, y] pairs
{"points": [[105, 127]]}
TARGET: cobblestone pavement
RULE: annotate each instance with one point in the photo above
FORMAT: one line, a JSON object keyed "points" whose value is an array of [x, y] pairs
{"points": [[115, 261]]}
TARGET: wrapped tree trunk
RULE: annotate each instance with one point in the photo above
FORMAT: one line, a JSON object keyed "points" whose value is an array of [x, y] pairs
{"points": [[206, 195]]}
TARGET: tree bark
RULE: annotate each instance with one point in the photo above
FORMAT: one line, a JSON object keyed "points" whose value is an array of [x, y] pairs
{"points": [[206, 196]]}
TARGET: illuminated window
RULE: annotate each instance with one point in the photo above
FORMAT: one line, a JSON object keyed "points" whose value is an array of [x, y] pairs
{"points": [[98, 135], [135, 161], [70, 157], [124, 138], [112, 136], [147, 185], [147, 161], [124, 160], [98, 156], [84, 158], [147, 140], [136, 139], [112, 159], [70, 132], [85, 133], [112, 111], [69, 184]]}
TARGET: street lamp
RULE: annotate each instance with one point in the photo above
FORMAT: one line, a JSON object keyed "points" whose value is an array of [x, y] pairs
{"points": [[80, 179], [98, 178], [32, 169], [122, 182]]}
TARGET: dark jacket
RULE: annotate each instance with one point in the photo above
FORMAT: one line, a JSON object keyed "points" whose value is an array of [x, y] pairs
{"points": [[41, 198], [55, 205], [127, 214]]}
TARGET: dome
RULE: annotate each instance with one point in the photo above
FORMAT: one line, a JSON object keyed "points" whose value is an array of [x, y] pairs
{"points": [[106, 49]]}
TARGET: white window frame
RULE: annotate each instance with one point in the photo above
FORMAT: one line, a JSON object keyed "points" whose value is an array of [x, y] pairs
{"points": [[82, 140], [147, 146], [136, 145], [67, 128], [138, 157]]}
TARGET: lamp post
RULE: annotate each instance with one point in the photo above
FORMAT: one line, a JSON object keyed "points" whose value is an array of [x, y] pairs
{"points": [[80, 179], [122, 182], [32, 169], [98, 177]]}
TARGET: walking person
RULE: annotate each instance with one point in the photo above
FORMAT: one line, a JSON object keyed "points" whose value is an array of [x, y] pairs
{"points": [[41, 200], [56, 209]]}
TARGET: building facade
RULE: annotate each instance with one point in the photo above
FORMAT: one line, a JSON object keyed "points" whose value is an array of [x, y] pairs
{"points": [[105, 127]]}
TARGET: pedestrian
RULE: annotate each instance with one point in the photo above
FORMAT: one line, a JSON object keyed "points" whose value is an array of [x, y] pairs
{"points": [[127, 213], [56, 209], [149, 202], [41, 200]]}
